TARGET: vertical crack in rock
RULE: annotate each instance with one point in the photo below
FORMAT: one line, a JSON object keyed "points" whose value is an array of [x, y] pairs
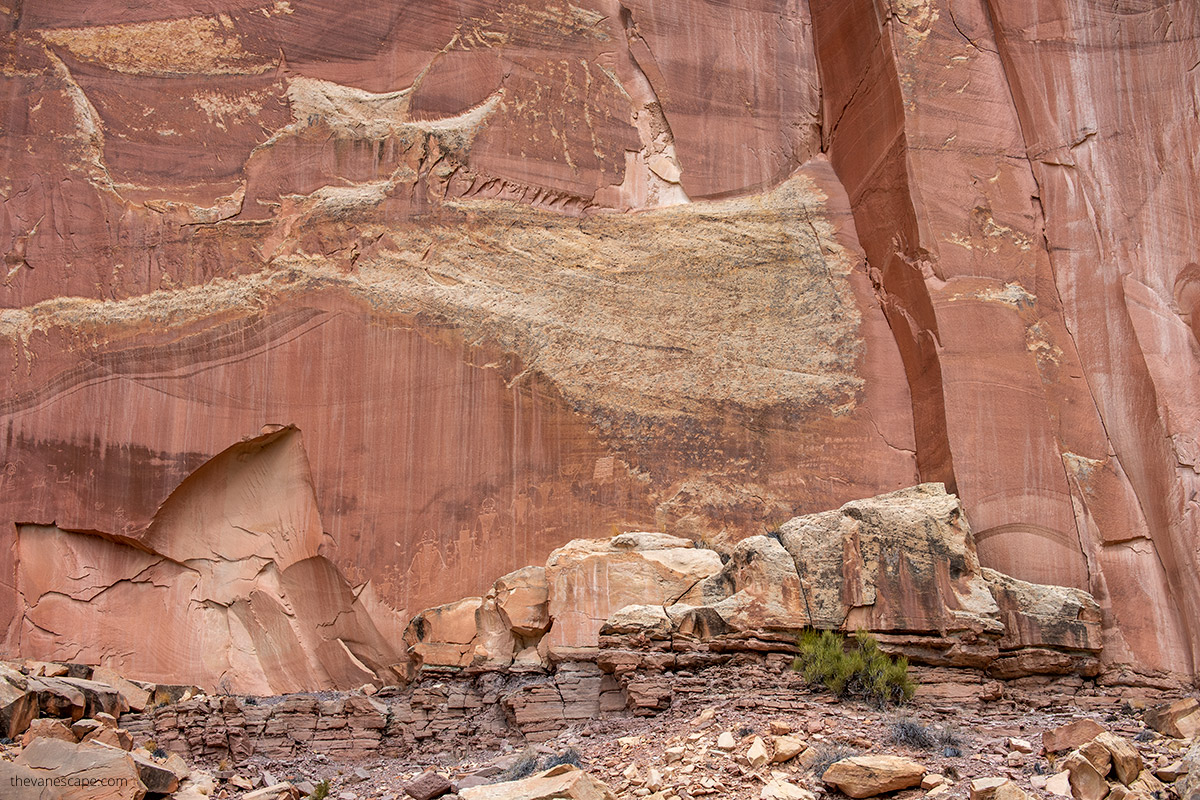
{"points": [[87, 128], [652, 174], [886, 222]]}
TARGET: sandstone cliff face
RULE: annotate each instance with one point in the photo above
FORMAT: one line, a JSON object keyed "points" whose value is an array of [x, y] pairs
{"points": [[228, 579], [869, 243]]}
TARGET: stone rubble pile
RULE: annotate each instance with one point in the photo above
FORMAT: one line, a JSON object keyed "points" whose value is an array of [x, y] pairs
{"points": [[781, 752]]}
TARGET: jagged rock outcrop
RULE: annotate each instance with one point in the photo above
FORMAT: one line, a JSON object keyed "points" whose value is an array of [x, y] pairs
{"points": [[901, 565], [872, 243], [1047, 629], [231, 571]]}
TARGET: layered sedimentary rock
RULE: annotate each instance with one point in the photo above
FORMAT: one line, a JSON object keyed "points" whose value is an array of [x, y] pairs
{"points": [[902, 566], [525, 273]]}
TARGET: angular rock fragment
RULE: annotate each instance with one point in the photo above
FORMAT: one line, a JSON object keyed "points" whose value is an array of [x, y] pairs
{"points": [[563, 782], [1126, 760], [787, 748], [158, 778], [1179, 719], [18, 707], [1018, 745], [779, 788], [49, 729], [98, 772], [134, 697], [757, 754], [1147, 784], [113, 737], [1059, 784], [1097, 754], [1087, 782], [1071, 735], [868, 776], [996, 789], [85, 727], [427, 786]]}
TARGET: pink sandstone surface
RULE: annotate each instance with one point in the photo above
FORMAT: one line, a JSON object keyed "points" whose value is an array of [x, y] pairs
{"points": [[526, 273]]}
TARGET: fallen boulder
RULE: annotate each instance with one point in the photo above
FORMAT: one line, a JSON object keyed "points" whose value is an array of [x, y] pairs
{"points": [[1071, 735], [44, 728], [158, 778], [1087, 782], [87, 771], [868, 776], [427, 786], [996, 789], [1125, 758], [18, 707], [1179, 720], [564, 782], [133, 696]]}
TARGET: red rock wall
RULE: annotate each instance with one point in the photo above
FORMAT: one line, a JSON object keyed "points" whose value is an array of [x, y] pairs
{"points": [[961, 131], [874, 243]]}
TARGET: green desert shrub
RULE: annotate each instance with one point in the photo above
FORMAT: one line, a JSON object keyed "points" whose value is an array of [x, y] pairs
{"points": [[861, 670]]}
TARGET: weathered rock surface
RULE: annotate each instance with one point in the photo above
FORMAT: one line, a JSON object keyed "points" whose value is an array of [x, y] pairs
{"points": [[868, 776], [902, 563], [996, 789], [1190, 788], [1180, 719], [427, 786], [46, 728], [563, 782], [1070, 736], [868, 252], [87, 771], [1047, 629], [231, 567], [18, 704], [590, 579]]}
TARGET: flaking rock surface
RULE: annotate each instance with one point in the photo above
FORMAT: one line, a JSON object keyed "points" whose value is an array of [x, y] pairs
{"points": [[524, 273]]}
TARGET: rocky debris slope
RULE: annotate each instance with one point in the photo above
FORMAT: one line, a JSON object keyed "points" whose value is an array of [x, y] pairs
{"points": [[748, 729], [872, 243], [551, 648]]}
